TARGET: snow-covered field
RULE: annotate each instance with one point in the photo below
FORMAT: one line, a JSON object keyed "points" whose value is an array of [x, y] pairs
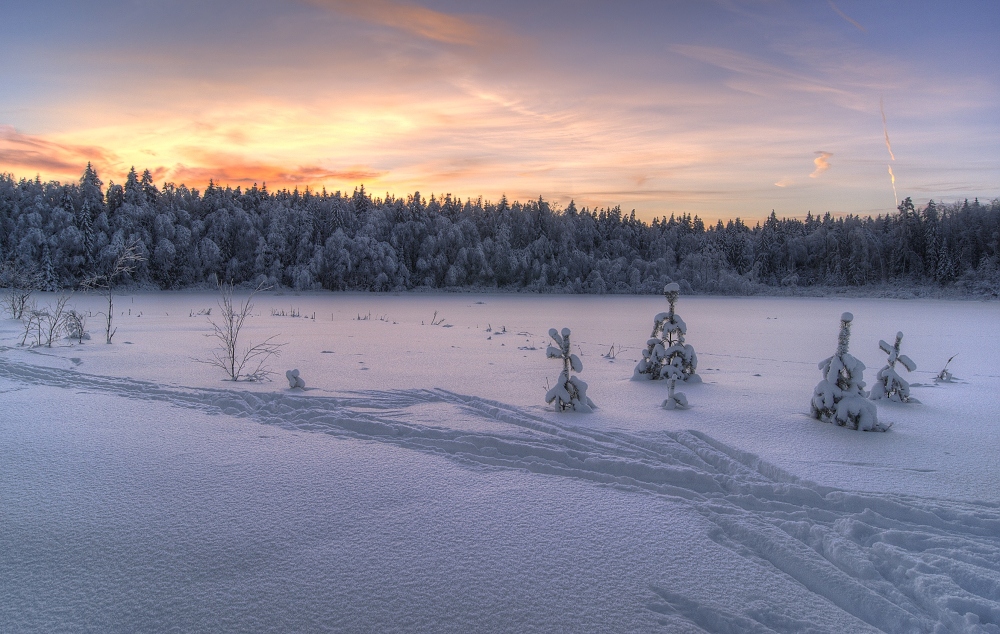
{"points": [[420, 484]]}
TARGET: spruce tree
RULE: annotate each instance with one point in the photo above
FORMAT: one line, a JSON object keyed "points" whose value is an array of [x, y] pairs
{"points": [[888, 383], [840, 398], [569, 392], [666, 348]]}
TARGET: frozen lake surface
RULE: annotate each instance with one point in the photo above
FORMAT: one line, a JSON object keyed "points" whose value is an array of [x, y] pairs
{"points": [[419, 483]]}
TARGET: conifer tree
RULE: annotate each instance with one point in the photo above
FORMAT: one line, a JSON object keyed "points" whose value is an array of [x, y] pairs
{"points": [[888, 383], [840, 398], [569, 392], [666, 348]]}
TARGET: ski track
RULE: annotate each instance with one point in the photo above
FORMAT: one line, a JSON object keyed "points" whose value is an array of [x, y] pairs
{"points": [[899, 563]]}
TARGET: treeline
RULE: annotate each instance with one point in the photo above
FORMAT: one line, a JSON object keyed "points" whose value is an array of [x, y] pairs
{"points": [[310, 240]]}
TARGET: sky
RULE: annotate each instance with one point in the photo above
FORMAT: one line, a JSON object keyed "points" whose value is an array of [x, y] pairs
{"points": [[719, 108]]}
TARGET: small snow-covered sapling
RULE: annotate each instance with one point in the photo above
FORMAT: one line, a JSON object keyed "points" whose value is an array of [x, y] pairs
{"points": [[666, 346], [888, 383], [673, 373], [840, 398], [569, 392], [294, 380]]}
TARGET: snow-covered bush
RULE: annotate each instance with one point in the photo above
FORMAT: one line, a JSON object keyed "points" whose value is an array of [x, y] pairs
{"points": [[840, 398], [570, 392], [888, 383], [76, 326], [666, 348]]}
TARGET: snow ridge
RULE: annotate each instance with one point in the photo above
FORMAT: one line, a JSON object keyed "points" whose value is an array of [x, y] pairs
{"points": [[899, 563]]}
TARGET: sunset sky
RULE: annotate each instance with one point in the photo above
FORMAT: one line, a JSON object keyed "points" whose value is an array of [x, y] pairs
{"points": [[718, 108]]}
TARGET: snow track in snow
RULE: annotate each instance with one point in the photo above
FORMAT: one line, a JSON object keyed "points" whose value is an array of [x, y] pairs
{"points": [[899, 563]]}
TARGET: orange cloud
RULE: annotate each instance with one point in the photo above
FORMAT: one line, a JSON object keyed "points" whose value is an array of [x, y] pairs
{"points": [[822, 164], [411, 18], [36, 154], [233, 170]]}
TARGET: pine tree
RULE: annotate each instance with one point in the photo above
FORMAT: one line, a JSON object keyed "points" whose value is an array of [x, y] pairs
{"points": [[840, 398], [666, 348], [570, 392], [888, 383]]}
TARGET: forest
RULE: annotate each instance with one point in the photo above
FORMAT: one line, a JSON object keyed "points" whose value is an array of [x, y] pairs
{"points": [[64, 234]]}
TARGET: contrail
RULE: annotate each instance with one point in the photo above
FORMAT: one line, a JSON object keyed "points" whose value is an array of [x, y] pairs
{"points": [[885, 130], [892, 177], [846, 17], [888, 146]]}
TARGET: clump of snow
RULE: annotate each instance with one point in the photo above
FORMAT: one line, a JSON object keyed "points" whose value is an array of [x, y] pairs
{"points": [[294, 380], [888, 383], [570, 392], [840, 398], [665, 348]]}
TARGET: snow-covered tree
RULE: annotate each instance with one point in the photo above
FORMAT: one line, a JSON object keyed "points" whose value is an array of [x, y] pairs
{"points": [[840, 398], [665, 348], [569, 392], [888, 383]]}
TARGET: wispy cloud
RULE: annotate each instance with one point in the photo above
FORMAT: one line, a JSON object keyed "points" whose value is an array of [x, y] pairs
{"points": [[38, 154], [236, 170], [413, 19], [822, 164]]}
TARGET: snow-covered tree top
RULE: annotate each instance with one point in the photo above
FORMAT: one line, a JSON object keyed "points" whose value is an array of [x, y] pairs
{"points": [[672, 287], [847, 317]]}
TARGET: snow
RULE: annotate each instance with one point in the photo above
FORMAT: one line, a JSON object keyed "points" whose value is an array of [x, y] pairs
{"points": [[421, 483]]}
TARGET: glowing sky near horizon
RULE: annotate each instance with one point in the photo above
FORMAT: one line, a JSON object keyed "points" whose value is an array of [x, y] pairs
{"points": [[718, 108]]}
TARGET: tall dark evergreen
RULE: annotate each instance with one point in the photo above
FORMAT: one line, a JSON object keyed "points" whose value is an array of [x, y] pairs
{"points": [[356, 241]]}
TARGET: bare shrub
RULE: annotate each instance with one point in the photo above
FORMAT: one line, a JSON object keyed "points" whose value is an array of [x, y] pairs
{"points": [[249, 363], [43, 324], [19, 284], [30, 322], [52, 320], [125, 263]]}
